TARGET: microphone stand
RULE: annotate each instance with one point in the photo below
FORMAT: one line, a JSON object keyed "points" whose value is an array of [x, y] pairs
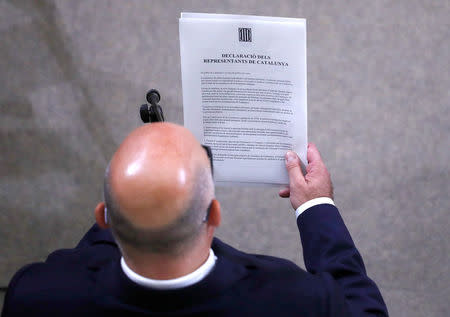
{"points": [[152, 112]]}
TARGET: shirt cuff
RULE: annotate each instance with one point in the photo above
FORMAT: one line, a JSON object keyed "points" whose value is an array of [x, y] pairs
{"points": [[312, 203]]}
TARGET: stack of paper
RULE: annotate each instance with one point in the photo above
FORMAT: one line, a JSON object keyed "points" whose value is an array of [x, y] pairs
{"points": [[244, 92]]}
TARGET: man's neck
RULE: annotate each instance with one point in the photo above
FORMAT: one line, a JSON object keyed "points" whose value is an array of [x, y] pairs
{"points": [[165, 267]]}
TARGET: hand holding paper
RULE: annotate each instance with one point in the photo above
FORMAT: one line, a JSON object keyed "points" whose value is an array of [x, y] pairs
{"points": [[316, 183]]}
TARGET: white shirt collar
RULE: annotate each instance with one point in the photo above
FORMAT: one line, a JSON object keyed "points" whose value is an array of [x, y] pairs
{"points": [[180, 282]]}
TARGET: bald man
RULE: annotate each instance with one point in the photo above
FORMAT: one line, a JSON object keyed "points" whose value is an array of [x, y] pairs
{"points": [[153, 251]]}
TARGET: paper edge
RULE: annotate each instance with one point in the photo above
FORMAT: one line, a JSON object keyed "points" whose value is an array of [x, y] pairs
{"points": [[220, 16]]}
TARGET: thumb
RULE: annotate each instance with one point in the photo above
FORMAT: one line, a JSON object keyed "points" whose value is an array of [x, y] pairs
{"points": [[313, 154], [296, 177]]}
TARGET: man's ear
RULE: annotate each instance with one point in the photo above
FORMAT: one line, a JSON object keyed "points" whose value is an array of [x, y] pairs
{"points": [[214, 214], [101, 216]]}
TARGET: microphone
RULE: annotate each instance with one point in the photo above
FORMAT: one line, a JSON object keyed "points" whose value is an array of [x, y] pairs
{"points": [[152, 112]]}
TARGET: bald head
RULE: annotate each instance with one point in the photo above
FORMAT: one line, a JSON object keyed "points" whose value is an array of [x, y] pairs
{"points": [[158, 187]]}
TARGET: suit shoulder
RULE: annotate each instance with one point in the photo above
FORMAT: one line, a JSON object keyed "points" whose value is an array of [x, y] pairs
{"points": [[86, 255], [64, 269], [97, 245], [44, 275], [279, 282], [265, 262], [14, 285], [41, 289], [27, 269]]}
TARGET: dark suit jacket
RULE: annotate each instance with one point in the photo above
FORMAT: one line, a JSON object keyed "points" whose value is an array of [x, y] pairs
{"points": [[88, 280]]}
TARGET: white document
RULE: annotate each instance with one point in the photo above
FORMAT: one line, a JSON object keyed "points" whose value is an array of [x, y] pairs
{"points": [[244, 92]]}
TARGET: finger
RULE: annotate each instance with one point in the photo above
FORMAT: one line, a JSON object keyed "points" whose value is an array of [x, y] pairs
{"points": [[296, 177], [284, 192], [313, 154]]}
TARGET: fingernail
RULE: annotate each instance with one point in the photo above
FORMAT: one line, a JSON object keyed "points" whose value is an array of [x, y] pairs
{"points": [[290, 157]]}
